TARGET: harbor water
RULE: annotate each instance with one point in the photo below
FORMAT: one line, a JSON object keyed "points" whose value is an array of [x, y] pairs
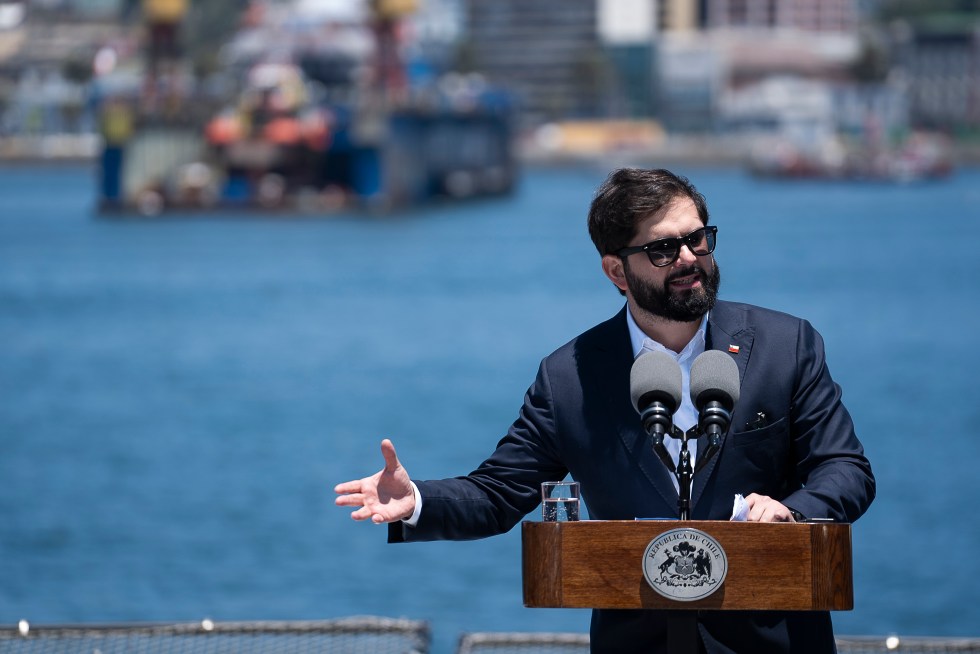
{"points": [[179, 395]]}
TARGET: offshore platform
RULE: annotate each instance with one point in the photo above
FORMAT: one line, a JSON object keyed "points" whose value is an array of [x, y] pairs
{"points": [[320, 117]]}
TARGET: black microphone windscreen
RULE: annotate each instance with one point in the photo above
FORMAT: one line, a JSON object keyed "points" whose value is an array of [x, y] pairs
{"points": [[655, 376], [714, 371]]}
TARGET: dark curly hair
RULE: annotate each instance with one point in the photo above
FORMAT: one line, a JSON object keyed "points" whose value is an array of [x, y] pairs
{"points": [[630, 195]]}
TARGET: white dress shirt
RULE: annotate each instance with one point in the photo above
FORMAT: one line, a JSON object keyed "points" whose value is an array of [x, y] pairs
{"points": [[686, 415]]}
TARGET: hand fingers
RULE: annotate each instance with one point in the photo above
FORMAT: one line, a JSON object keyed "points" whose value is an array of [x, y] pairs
{"points": [[774, 515], [362, 513], [364, 493], [388, 452], [759, 505], [354, 499], [348, 487], [762, 511], [779, 513], [763, 508]]}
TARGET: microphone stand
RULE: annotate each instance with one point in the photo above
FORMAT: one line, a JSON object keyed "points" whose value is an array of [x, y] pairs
{"points": [[682, 626], [685, 472]]}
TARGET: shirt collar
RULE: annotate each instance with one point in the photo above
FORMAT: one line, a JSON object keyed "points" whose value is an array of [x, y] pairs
{"points": [[638, 338]]}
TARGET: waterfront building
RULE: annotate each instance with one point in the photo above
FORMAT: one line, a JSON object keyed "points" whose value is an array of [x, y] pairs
{"points": [[665, 59], [743, 43], [805, 15], [546, 52], [938, 64]]}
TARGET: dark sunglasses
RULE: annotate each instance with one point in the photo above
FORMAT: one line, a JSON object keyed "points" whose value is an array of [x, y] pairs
{"points": [[665, 251]]}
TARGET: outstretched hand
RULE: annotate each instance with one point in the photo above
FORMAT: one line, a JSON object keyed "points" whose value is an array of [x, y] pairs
{"points": [[385, 496]]}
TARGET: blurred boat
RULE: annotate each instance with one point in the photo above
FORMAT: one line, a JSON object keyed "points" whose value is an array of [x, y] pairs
{"points": [[921, 156], [335, 125]]}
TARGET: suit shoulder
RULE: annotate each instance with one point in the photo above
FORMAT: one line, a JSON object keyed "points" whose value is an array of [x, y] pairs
{"points": [[604, 336], [753, 316]]}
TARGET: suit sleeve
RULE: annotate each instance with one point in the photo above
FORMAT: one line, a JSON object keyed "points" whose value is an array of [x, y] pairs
{"points": [[830, 461], [504, 488]]}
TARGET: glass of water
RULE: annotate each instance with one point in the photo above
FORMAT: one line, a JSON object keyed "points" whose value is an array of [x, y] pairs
{"points": [[559, 501]]}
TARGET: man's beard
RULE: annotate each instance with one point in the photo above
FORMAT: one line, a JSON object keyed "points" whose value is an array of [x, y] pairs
{"points": [[680, 306]]}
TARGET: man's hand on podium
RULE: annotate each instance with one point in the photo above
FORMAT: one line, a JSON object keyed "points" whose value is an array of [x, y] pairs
{"points": [[385, 496], [763, 508]]}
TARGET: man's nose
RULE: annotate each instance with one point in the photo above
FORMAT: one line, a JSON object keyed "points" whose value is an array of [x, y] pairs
{"points": [[686, 256]]}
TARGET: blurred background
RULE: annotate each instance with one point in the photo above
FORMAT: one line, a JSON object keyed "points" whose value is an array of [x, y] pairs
{"points": [[241, 242], [317, 104]]}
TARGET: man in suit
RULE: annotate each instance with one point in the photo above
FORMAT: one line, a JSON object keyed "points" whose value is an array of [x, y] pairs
{"points": [[791, 449]]}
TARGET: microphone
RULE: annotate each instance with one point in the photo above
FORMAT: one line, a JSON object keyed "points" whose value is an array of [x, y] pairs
{"points": [[714, 392], [655, 388]]}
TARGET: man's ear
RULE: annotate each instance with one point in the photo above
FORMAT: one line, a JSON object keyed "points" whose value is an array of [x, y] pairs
{"points": [[613, 267]]}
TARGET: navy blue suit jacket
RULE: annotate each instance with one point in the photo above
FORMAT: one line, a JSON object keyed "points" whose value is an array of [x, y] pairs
{"points": [[578, 418]]}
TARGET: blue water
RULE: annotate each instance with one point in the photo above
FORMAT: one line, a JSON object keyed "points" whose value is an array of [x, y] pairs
{"points": [[179, 396]]}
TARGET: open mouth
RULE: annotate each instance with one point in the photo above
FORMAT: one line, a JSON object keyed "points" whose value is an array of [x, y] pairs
{"points": [[686, 281]]}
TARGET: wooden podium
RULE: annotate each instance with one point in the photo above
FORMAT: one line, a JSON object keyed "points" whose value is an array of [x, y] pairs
{"points": [[771, 566]]}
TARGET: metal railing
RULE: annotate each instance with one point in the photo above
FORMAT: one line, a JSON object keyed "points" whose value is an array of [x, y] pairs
{"points": [[523, 643], [573, 643], [355, 635], [905, 644]]}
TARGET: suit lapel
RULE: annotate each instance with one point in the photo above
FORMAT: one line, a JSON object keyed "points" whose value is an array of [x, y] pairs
{"points": [[727, 332], [616, 365]]}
